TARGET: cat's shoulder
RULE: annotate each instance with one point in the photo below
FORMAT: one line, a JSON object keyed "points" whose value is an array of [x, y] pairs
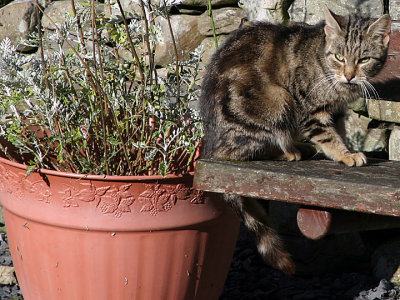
{"points": [[261, 28]]}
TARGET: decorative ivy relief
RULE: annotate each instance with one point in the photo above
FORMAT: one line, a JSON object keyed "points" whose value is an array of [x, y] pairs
{"points": [[158, 198], [18, 184], [111, 199]]}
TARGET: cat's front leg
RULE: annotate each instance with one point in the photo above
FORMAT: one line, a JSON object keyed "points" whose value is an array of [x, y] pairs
{"points": [[326, 136]]}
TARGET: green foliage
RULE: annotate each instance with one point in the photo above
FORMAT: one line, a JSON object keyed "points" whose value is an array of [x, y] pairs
{"points": [[81, 108]]}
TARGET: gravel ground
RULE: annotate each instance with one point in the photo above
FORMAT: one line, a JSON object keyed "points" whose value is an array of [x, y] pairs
{"points": [[7, 292], [250, 279]]}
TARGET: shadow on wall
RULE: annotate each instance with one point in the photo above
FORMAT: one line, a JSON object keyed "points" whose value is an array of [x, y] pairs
{"points": [[389, 89]]}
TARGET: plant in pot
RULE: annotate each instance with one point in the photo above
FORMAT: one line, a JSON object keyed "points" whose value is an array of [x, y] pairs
{"points": [[95, 168]]}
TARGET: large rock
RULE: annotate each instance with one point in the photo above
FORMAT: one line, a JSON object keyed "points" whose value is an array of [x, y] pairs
{"points": [[186, 34], [192, 6], [394, 144], [58, 10], [394, 11], [203, 3], [226, 20], [359, 105], [376, 140], [129, 7], [274, 11], [384, 110], [209, 48], [312, 11], [356, 127], [17, 20], [361, 137], [259, 10]]}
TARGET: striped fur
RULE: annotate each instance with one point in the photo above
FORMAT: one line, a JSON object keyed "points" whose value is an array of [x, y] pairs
{"points": [[270, 86]]}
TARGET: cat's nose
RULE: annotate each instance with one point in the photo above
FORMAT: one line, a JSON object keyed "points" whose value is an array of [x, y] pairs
{"points": [[349, 77]]}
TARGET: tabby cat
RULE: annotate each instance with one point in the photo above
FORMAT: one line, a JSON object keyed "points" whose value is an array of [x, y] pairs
{"points": [[271, 86]]}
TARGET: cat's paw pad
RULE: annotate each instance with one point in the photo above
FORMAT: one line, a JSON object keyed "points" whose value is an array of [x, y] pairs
{"points": [[292, 156], [354, 159]]}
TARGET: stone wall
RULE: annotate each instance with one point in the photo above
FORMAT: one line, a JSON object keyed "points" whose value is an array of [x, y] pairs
{"points": [[371, 126]]}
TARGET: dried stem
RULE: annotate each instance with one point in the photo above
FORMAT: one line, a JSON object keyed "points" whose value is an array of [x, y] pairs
{"points": [[79, 26], [102, 101], [147, 41], [132, 48], [175, 51], [39, 26]]}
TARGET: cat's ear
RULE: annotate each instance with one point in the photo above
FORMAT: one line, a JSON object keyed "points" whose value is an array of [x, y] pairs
{"points": [[332, 24], [381, 28]]}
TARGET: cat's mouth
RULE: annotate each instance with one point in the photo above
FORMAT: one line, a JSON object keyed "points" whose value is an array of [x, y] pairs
{"points": [[353, 81], [349, 85]]}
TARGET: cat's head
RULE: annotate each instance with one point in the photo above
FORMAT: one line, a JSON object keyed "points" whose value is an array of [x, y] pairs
{"points": [[356, 48]]}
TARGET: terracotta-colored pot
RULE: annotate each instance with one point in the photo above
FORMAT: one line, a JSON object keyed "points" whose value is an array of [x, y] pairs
{"points": [[117, 237]]}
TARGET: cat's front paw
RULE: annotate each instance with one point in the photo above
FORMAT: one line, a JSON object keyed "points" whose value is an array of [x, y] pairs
{"points": [[353, 159]]}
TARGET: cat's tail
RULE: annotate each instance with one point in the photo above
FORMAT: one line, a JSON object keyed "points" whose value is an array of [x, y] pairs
{"points": [[269, 245]]}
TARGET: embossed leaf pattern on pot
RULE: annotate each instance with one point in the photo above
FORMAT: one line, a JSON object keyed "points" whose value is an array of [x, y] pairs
{"points": [[157, 198], [109, 199], [183, 192], [198, 197], [116, 200], [72, 195], [37, 187], [126, 201], [16, 183], [10, 181]]}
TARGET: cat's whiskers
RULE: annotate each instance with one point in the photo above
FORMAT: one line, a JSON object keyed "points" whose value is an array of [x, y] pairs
{"points": [[333, 82], [368, 89], [329, 78], [372, 88], [331, 88], [364, 90]]}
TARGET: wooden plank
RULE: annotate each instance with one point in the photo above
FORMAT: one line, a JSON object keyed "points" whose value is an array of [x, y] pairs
{"points": [[374, 188]]}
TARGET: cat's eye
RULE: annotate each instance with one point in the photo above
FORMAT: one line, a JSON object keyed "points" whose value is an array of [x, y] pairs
{"points": [[339, 57], [364, 60]]}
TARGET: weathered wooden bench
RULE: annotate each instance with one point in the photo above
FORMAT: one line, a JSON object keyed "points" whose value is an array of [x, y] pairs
{"points": [[334, 198]]}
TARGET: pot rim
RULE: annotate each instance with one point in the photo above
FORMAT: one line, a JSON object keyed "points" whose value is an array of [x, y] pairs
{"points": [[94, 177]]}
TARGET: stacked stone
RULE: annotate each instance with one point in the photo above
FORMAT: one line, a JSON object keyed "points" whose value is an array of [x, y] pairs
{"points": [[190, 23], [374, 126], [371, 126]]}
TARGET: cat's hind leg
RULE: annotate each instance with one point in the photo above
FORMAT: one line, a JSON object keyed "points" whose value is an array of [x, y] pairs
{"points": [[297, 152], [292, 155], [289, 148]]}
